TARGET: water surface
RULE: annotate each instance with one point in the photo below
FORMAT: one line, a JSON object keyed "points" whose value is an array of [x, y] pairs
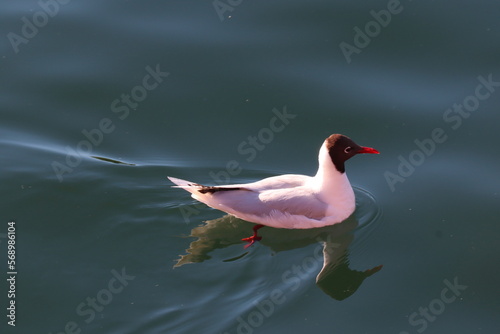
{"points": [[100, 102]]}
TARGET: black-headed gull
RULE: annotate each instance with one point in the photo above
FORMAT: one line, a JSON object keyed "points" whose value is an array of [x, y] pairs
{"points": [[290, 201]]}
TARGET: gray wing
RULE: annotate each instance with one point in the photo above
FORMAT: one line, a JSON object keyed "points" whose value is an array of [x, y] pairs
{"points": [[293, 201], [299, 201]]}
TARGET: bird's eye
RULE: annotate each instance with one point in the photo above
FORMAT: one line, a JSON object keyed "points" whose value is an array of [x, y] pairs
{"points": [[348, 149]]}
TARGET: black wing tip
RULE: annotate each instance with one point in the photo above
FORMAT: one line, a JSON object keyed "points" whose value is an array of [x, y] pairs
{"points": [[211, 190]]}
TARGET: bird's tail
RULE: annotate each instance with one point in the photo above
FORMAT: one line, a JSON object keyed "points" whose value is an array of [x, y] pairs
{"points": [[197, 189], [186, 185]]}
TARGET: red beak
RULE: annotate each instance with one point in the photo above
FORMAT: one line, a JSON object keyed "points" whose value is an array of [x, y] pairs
{"points": [[368, 150]]}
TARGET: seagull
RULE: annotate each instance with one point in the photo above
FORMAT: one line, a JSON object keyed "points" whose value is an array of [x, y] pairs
{"points": [[289, 201]]}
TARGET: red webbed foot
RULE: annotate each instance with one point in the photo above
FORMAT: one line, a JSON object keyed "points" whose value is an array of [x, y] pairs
{"points": [[254, 237]]}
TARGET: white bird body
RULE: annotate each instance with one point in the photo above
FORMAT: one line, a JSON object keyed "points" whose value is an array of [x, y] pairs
{"points": [[290, 201]]}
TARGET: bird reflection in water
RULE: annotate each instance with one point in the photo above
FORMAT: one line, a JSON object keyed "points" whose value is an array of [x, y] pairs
{"points": [[336, 279]]}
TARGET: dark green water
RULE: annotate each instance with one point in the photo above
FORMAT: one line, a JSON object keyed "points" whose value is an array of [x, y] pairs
{"points": [[100, 101]]}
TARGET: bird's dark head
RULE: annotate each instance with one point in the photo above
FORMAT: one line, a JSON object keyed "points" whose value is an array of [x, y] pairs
{"points": [[341, 148]]}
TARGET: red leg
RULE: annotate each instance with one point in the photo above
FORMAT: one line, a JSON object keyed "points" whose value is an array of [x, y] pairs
{"points": [[254, 237]]}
